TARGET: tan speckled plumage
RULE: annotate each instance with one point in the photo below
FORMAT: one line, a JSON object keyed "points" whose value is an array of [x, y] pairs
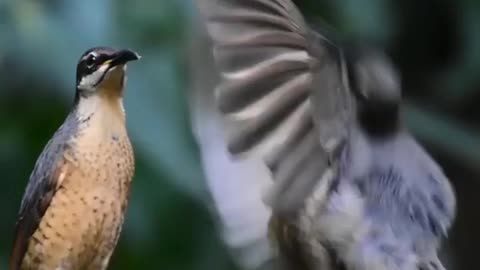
{"points": [[82, 213], [86, 213]]}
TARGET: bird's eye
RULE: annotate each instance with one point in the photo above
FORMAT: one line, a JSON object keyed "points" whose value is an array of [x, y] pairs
{"points": [[91, 60]]}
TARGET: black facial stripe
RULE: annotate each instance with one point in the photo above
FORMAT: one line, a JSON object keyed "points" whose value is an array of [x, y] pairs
{"points": [[101, 55], [90, 60], [83, 70]]}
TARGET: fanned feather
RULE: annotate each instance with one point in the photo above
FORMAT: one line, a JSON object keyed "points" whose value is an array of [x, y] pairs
{"points": [[271, 64]]}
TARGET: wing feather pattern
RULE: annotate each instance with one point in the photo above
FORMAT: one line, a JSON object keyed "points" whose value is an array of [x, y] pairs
{"points": [[272, 68], [46, 177]]}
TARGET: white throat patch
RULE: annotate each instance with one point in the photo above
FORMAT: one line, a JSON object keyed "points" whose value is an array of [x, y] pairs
{"points": [[89, 82]]}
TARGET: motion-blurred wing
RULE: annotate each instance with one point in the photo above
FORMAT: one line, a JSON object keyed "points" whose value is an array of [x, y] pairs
{"points": [[281, 95], [235, 186]]}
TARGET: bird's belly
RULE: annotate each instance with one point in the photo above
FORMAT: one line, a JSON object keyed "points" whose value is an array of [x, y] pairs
{"points": [[361, 240], [79, 230], [82, 224]]}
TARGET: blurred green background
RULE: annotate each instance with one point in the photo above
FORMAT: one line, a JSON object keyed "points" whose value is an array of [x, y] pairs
{"points": [[435, 43]]}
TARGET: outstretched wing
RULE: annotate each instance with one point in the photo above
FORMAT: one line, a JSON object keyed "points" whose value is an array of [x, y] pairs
{"points": [[44, 181], [235, 186], [282, 93]]}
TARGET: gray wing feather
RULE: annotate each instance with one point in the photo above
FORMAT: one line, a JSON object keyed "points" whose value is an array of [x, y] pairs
{"points": [[271, 65], [235, 186], [40, 190]]}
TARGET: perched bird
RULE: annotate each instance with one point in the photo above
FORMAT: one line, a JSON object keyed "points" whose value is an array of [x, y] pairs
{"points": [[351, 188], [73, 208]]}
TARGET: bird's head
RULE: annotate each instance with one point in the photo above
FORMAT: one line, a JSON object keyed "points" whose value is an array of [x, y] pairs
{"points": [[103, 69], [375, 82], [373, 78]]}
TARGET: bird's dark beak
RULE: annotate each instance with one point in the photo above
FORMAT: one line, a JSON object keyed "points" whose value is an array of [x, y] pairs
{"points": [[121, 57]]}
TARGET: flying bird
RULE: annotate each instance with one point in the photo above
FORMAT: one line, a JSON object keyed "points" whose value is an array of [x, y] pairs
{"points": [[72, 212], [350, 187]]}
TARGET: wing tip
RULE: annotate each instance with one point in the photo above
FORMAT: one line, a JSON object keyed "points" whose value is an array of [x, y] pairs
{"points": [[19, 249], [16, 256]]}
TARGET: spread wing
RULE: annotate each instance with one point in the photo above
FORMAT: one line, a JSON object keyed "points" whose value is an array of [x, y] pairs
{"points": [[235, 186], [282, 93], [43, 183]]}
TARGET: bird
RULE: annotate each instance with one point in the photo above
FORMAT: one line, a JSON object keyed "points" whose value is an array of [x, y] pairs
{"points": [[349, 187], [74, 205]]}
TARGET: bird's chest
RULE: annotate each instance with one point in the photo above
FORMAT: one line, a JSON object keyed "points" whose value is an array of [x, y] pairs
{"points": [[96, 189], [100, 150], [104, 163], [102, 154]]}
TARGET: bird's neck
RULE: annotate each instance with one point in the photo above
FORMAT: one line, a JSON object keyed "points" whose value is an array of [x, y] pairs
{"points": [[102, 109], [380, 121]]}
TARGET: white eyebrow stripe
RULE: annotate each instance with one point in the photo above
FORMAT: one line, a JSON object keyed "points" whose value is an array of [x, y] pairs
{"points": [[94, 54]]}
